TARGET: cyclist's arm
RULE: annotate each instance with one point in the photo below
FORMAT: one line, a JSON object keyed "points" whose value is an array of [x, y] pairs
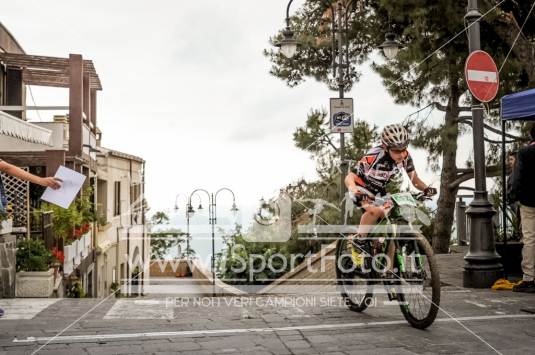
{"points": [[351, 184], [416, 181]]}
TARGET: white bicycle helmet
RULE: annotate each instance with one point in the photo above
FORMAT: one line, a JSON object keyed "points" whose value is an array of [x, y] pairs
{"points": [[395, 136]]}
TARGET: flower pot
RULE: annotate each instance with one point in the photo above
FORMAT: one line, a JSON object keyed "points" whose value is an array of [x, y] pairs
{"points": [[6, 226], [511, 254], [36, 284]]}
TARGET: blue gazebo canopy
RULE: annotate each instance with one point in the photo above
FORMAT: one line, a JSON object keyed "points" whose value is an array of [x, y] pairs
{"points": [[519, 106]]}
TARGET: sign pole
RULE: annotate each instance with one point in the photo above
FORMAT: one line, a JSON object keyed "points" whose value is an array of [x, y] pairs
{"points": [[482, 263]]}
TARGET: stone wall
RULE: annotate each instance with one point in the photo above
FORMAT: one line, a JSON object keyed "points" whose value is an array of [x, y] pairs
{"points": [[169, 268], [316, 274]]}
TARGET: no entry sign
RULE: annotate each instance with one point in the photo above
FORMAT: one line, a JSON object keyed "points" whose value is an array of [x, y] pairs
{"points": [[481, 76]]}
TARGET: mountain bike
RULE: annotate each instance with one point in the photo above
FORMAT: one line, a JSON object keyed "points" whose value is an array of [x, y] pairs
{"points": [[412, 278]]}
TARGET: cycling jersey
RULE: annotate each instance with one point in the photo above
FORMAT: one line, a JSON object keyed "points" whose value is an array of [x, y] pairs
{"points": [[376, 168]]}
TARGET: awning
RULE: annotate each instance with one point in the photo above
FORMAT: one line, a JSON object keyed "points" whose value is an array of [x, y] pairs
{"points": [[519, 106], [28, 132]]}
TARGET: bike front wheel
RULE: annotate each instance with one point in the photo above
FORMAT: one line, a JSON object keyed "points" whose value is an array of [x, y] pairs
{"points": [[419, 295], [356, 290]]}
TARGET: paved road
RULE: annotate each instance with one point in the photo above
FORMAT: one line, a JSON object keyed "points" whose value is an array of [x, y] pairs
{"points": [[490, 322]]}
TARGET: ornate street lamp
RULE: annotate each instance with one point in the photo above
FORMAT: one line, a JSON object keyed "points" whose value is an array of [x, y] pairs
{"points": [[212, 218], [288, 45], [390, 46]]}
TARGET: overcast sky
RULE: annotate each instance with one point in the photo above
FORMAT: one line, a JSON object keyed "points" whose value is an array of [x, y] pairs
{"points": [[187, 88]]}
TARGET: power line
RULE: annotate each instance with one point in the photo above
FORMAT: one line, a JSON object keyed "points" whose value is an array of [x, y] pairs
{"points": [[33, 100], [445, 44], [517, 36]]}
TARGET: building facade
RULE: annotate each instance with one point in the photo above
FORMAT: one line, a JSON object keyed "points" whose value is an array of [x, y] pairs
{"points": [[72, 140], [122, 240]]}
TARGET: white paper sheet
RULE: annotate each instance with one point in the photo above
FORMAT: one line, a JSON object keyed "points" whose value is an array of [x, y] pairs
{"points": [[71, 184]]}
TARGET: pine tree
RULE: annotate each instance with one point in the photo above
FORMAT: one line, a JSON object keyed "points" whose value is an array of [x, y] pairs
{"points": [[423, 26]]}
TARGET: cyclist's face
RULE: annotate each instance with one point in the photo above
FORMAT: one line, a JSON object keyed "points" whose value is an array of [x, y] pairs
{"points": [[398, 155]]}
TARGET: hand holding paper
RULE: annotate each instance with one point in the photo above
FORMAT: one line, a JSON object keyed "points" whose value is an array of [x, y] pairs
{"points": [[71, 183]]}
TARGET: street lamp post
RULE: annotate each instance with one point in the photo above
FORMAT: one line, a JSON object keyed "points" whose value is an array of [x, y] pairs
{"points": [[482, 263], [189, 214], [288, 46], [212, 218]]}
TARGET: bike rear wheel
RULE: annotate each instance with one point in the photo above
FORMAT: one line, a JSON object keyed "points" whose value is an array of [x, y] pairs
{"points": [[419, 296], [355, 288]]}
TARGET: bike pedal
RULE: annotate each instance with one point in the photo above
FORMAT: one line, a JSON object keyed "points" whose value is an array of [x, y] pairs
{"points": [[392, 295]]}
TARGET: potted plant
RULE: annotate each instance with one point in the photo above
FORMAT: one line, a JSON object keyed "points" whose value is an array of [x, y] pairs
{"points": [[510, 249], [6, 223], [75, 290], [73, 225], [58, 258], [75, 221], [34, 276], [115, 288]]}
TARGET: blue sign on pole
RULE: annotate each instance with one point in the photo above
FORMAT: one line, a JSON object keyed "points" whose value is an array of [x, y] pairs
{"points": [[341, 115]]}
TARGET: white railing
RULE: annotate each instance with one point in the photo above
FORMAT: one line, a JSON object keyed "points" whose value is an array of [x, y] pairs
{"points": [[29, 132]]}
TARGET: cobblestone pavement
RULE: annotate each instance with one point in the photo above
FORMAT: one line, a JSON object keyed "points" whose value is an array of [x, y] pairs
{"points": [[288, 324]]}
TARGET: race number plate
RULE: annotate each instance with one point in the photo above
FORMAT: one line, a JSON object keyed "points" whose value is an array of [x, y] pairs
{"points": [[404, 199]]}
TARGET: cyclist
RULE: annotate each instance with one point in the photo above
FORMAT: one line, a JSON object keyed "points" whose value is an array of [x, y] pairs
{"points": [[371, 174]]}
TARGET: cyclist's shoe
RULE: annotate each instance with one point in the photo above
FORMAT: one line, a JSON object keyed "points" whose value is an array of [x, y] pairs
{"points": [[525, 286], [358, 250]]}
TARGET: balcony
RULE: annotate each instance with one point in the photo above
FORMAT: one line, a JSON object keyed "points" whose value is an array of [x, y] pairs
{"points": [[35, 137]]}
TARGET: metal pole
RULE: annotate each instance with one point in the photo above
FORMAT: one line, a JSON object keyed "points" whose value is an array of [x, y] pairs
{"points": [[461, 221], [213, 219], [343, 165], [482, 263], [187, 232], [504, 197], [504, 188]]}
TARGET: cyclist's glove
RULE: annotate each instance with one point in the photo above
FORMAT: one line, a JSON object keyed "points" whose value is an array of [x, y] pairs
{"points": [[430, 191], [357, 199]]}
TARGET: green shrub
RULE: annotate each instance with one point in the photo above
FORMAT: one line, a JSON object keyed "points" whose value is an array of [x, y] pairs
{"points": [[75, 290], [32, 255]]}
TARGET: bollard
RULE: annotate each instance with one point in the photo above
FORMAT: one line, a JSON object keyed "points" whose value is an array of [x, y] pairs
{"points": [[460, 208]]}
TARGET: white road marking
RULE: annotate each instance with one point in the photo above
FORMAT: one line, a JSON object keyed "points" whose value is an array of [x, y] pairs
{"points": [[186, 333], [24, 308], [456, 291], [480, 305], [394, 303], [140, 309]]}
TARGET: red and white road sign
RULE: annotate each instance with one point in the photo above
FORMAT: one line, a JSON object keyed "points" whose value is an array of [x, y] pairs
{"points": [[481, 76]]}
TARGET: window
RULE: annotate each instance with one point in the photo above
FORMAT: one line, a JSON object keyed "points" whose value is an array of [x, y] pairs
{"points": [[2, 85], [135, 194], [117, 199], [102, 201]]}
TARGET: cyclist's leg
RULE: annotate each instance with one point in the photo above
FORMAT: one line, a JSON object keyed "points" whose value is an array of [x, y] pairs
{"points": [[369, 218]]}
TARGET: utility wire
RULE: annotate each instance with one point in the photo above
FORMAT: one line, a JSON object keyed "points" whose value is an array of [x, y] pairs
{"points": [[445, 44], [33, 100], [517, 36]]}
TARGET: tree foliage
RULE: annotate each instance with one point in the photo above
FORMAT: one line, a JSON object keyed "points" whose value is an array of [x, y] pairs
{"points": [[428, 71], [164, 238]]}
